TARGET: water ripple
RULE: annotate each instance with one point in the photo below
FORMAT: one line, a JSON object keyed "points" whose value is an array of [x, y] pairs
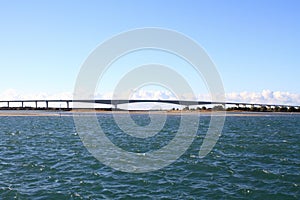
{"points": [[256, 157]]}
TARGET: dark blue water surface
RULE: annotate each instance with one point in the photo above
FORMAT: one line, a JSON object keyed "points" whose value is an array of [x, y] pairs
{"points": [[257, 157]]}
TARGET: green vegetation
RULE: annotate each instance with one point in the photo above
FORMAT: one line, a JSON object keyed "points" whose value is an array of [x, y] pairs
{"points": [[265, 109], [244, 108]]}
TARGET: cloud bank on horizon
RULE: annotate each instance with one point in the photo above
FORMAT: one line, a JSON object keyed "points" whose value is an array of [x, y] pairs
{"points": [[264, 97]]}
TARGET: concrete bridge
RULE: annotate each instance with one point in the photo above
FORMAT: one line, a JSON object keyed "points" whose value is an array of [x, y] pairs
{"points": [[116, 102]]}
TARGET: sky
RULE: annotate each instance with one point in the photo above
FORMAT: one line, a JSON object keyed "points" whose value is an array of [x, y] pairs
{"points": [[255, 44]]}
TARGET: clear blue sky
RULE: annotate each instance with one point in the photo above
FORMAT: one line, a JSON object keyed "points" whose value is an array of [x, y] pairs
{"points": [[254, 44]]}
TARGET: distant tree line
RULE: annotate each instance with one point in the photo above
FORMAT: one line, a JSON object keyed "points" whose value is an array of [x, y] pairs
{"points": [[244, 108], [265, 109]]}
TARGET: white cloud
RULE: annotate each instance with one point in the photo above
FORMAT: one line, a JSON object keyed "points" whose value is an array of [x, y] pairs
{"points": [[153, 94], [12, 94], [9, 95], [266, 97]]}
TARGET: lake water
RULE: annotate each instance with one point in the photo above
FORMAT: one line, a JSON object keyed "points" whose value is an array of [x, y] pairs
{"points": [[257, 157]]}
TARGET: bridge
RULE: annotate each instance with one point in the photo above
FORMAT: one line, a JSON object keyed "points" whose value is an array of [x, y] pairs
{"points": [[116, 102]]}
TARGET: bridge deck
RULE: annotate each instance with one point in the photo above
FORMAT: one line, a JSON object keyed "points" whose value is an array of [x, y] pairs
{"points": [[122, 101]]}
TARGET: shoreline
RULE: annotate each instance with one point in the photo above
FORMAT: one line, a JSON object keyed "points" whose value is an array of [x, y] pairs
{"points": [[38, 113]]}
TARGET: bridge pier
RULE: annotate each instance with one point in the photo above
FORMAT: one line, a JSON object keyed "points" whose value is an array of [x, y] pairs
{"points": [[47, 104], [8, 104], [36, 104], [22, 103], [115, 106], [68, 106]]}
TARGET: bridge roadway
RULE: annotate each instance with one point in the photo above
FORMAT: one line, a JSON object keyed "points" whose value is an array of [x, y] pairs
{"points": [[116, 102]]}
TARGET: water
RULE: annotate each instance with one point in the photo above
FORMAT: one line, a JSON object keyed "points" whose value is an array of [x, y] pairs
{"points": [[255, 158]]}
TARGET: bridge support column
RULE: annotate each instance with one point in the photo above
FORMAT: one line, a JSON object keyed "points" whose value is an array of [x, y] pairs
{"points": [[115, 106], [68, 106], [36, 104], [47, 104], [224, 106], [22, 104], [8, 104]]}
